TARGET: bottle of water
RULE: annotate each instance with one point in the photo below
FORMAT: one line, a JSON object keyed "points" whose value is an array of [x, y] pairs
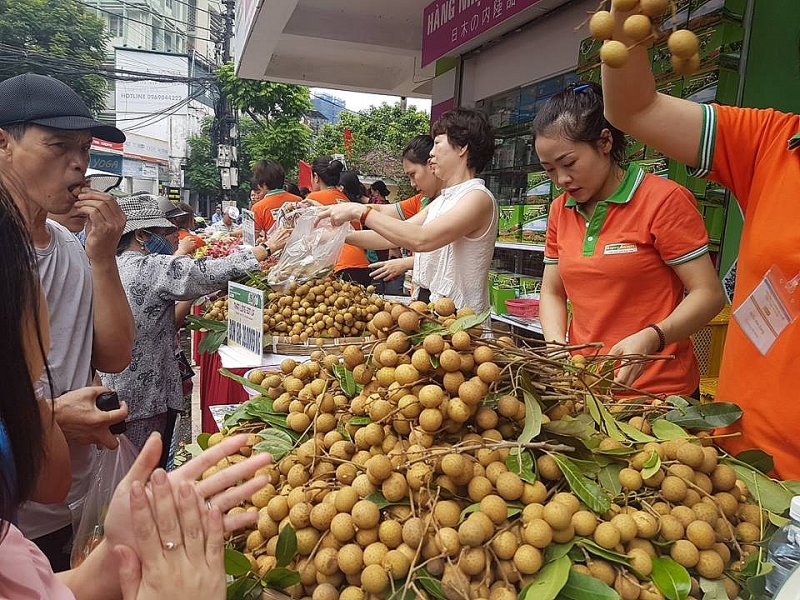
{"points": [[784, 550]]}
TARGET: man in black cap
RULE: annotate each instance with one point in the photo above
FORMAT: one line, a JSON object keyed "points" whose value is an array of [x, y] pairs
{"points": [[46, 131]]}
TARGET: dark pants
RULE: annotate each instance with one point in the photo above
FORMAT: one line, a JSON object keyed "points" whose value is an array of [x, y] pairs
{"points": [[57, 547]]}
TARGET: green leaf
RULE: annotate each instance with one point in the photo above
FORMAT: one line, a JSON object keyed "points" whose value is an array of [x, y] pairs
{"points": [[345, 377], [244, 381], [277, 443], [666, 430], [671, 579], [435, 361], [585, 587], [606, 419], [758, 459], [584, 488], [548, 581], [634, 434], [608, 477], [609, 555], [382, 502], [287, 546], [757, 586], [281, 578], [237, 416], [713, 589], [211, 342], [651, 465], [236, 563], [705, 416], [792, 485], [196, 323], [359, 421], [678, 401], [581, 427], [469, 322], [194, 449], [556, 551], [202, 440], [533, 417], [430, 584], [244, 588], [468, 511], [769, 493], [777, 520], [521, 462]]}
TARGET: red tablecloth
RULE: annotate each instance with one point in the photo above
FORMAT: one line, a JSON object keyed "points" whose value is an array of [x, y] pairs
{"points": [[216, 389]]}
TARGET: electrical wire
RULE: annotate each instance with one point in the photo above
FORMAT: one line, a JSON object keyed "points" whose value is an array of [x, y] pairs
{"points": [[132, 20]]}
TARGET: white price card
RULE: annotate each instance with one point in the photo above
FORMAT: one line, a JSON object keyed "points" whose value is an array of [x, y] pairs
{"points": [[248, 227], [769, 309], [246, 319]]}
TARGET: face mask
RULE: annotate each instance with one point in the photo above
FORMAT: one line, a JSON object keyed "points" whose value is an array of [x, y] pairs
{"points": [[157, 244]]}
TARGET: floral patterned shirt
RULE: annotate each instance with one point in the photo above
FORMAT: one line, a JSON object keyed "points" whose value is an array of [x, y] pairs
{"points": [[153, 283]]}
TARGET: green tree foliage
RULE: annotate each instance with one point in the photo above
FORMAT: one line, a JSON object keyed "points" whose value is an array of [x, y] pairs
{"points": [[58, 38], [379, 135], [202, 174]]}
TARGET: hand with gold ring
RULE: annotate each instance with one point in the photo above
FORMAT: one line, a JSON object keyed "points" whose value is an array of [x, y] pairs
{"points": [[179, 544]]}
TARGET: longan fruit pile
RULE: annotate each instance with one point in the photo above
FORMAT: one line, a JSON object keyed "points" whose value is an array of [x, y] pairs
{"points": [[683, 44], [324, 308], [413, 470]]}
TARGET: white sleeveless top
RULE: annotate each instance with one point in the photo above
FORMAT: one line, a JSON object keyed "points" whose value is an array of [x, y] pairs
{"points": [[459, 270]]}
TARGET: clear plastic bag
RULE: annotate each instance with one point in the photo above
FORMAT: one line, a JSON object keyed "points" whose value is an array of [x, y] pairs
{"points": [[111, 468], [310, 253]]}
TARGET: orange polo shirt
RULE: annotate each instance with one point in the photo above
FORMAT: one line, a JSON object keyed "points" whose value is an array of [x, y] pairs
{"points": [[410, 206], [617, 268], [272, 201], [198, 241], [746, 150], [352, 257]]}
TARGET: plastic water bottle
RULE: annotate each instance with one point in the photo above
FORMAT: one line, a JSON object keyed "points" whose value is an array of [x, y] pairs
{"points": [[784, 550]]}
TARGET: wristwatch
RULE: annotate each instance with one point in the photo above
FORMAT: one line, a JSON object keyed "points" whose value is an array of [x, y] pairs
{"points": [[267, 248]]}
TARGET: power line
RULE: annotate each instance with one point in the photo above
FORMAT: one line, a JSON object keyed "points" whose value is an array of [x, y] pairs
{"points": [[132, 20]]}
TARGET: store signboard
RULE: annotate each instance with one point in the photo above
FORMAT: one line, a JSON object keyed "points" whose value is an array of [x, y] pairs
{"points": [[449, 24], [246, 319], [248, 227], [141, 147], [136, 96], [106, 162]]}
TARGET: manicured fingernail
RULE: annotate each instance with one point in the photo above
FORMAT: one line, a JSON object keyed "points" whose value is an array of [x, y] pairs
{"points": [[159, 477], [137, 490]]}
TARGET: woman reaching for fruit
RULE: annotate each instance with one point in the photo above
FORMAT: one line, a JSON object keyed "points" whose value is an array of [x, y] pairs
{"points": [[452, 238], [154, 279], [628, 249], [159, 536], [745, 150]]}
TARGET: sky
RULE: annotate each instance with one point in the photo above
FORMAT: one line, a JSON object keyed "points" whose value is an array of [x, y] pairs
{"points": [[357, 101]]}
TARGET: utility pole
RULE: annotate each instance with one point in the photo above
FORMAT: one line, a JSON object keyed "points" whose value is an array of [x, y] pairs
{"points": [[225, 119]]}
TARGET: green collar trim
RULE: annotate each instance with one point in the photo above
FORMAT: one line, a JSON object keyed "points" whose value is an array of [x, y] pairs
{"points": [[424, 202], [273, 192], [794, 142], [622, 195]]}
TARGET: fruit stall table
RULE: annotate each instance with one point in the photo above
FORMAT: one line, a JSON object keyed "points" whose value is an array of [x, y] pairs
{"points": [[216, 389]]}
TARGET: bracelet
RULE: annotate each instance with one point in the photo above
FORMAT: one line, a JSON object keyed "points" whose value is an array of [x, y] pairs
{"points": [[266, 247], [363, 219], [662, 339]]}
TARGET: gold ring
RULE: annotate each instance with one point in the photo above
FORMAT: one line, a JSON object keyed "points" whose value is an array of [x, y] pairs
{"points": [[171, 545], [209, 505]]}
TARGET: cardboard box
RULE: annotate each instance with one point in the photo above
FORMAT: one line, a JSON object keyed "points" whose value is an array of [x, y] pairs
{"points": [[703, 13], [529, 286], [634, 149], [534, 225], [508, 223], [538, 191], [656, 166], [714, 85], [721, 45], [555, 191], [499, 296]]}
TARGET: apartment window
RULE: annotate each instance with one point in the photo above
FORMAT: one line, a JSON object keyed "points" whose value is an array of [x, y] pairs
{"points": [[115, 25], [169, 3], [168, 42]]}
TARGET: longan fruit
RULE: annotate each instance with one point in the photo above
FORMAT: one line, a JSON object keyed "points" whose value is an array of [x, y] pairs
{"points": [[365, 514], [509, 486], [533, 493], [395, 487], [569, 500], [557, 515], [683, 44], [723, 478], [537, 533], [601, 25], [471, 533], [701, 534], [278, 508], [646, 524], [703, 481], [505, 545], [548, 468], [483, 354], [685, 472], [376, 551], [627, 586], [431, 419], [706, 511], [478, 488], [527, 559], [584, 522], [562, 536], [379, 467], [413, 532], [606, 535], [350, 559], [630, 479], [602, 570], [532, 511], [495, 507], [751, 513], [488, 372], [447, 541], [671, 528], [685, 66], [626, 527], [374, 579], [685, 553], [322, 515], [673, 488], [342, 528], [472, 561], [614, 54], [444, 307], [747, 532], [623, 6], [640, 561], [300, 515]]}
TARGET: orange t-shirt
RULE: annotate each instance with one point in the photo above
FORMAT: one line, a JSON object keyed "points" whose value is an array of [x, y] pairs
{"points": [[746, 150], [410, 206], [198, 241], [352, 257], [617, 268], [263, 209]]}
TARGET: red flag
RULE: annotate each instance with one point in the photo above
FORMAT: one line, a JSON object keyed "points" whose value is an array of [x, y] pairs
{"points": [[348, 140], [304, 175]]}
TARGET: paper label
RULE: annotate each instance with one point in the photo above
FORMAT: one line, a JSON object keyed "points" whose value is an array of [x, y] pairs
{"points": [[767, 311], [246, 319], [623, 248], [248, 227]]}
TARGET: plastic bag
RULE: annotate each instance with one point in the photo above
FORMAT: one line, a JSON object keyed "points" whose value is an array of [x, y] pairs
{"points": [[310, 253], [111, 468]]}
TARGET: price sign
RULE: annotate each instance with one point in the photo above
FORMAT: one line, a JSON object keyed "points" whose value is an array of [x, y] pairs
{"points": [[248, 227], [246, 319]]}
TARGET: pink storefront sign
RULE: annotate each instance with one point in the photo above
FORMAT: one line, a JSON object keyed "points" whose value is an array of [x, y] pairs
{"points": [[448, 24]]}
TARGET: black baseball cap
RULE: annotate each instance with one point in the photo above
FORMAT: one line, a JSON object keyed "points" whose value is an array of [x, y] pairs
{"points": [[46, 101]]}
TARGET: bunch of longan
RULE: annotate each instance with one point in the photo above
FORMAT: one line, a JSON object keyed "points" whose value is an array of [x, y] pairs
{"points": [[683, 44]]}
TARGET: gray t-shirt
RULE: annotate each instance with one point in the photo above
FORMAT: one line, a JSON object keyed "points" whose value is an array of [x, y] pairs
{"points": [[67, 283]]}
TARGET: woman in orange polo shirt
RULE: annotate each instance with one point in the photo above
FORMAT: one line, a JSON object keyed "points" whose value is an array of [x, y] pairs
{"points": [[325, 173], [269, 178], [628, 249]]}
